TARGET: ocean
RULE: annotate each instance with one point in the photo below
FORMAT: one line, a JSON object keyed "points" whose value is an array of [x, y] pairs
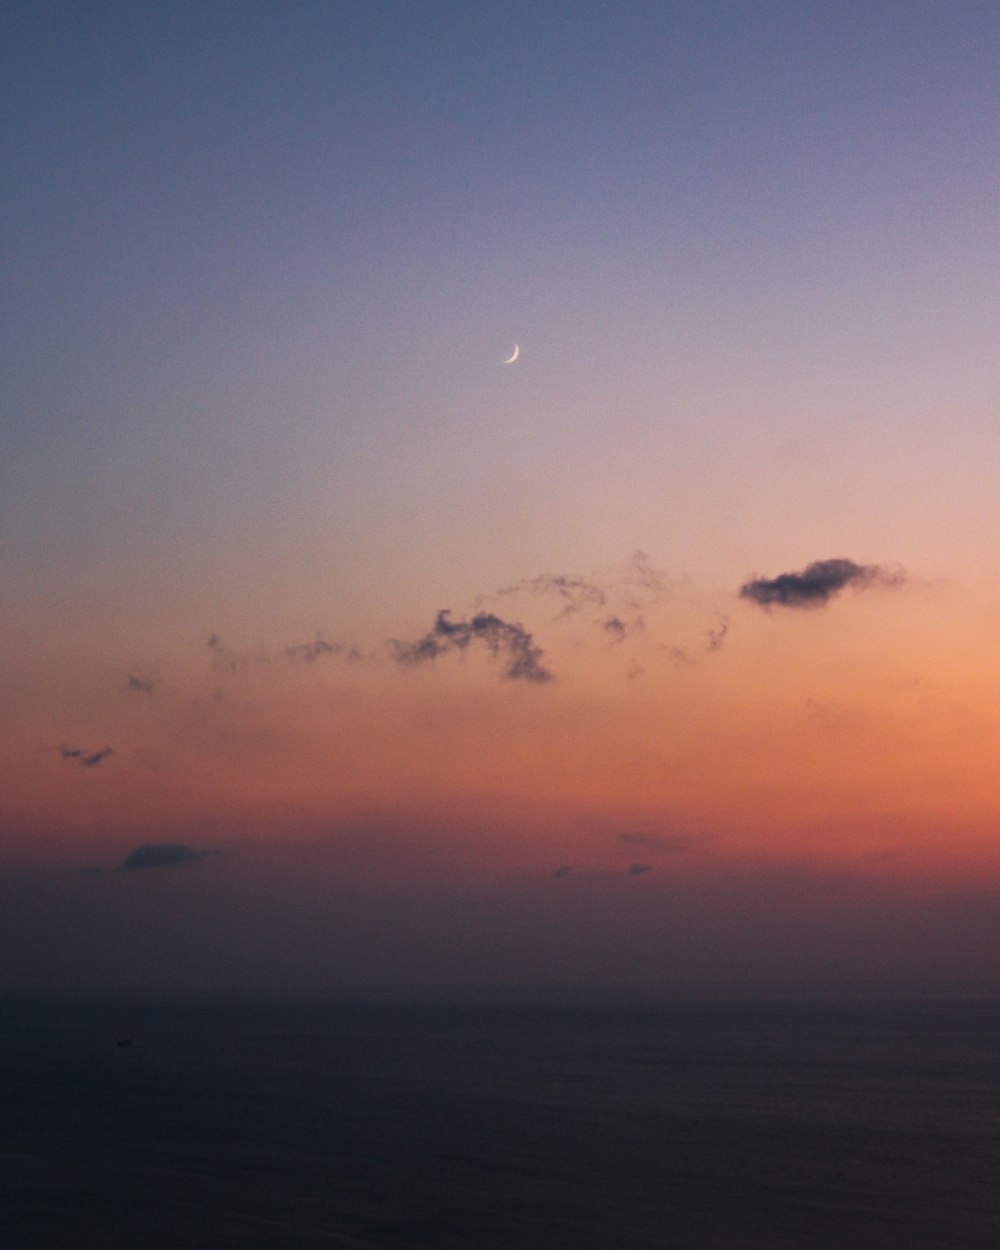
{"points": [[855, 1124]]}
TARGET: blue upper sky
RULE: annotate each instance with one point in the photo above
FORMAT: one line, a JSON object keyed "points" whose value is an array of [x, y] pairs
{"points": [[261, 254]]}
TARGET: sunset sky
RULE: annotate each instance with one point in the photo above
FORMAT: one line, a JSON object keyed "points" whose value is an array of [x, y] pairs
{"points": [[338, 655]]}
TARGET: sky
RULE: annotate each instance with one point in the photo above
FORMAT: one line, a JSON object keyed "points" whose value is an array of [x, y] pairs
{"points": [[338, 656]]}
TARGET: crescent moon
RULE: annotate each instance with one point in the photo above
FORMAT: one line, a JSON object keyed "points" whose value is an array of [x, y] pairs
{"points": [[510, 359]]}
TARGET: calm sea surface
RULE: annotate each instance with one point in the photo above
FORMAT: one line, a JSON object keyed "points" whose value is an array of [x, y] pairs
{"points": [[773, 1126]]}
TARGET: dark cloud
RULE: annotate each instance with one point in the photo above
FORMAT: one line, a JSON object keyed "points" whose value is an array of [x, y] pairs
{"points": [[159, 855], [95, 757], [87, 759], [817, 583], [521, 655], [142, 684]]}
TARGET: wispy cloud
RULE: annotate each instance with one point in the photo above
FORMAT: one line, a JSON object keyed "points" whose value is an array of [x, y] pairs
{"points": [[87, 759], [310, 652], [642, 575], [226, 660], [618, 604], [617, 629], [717, 636], [616, 601], [521, 655], [575, 592], [817, 583], [639, 583], [160, 855]]}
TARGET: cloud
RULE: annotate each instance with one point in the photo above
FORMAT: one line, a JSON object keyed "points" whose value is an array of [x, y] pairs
{"points": [[226, 660], [93, 759], [522, 656], [642, 574], [817, 583], [618, 630], [576, 592], [159, 855], [717, 636], [613, 600], [638, 583], [141, 684], [87, 759], [310, 652], [602, 874]]}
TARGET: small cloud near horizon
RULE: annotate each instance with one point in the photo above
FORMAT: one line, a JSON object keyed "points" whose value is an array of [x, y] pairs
{"points": [[595, 874], [160, 855], [817, 583], [86, 759]]}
